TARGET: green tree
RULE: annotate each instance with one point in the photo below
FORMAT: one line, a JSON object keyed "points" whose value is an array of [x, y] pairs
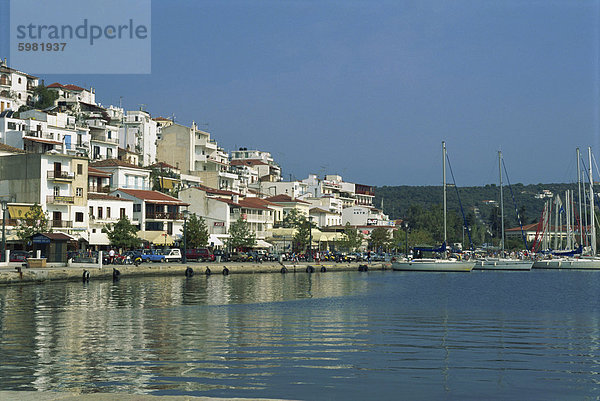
{"points": [[196, 232], [122, 234], [292, 219], [240, 235], [35, 221], [351, 239], [44, 97], [380, 239], [302, 235]]}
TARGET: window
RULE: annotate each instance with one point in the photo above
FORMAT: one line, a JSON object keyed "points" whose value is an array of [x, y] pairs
{"points": [[94, 230], [79, 168], [12, 125], [19, 79], [56, 191], [99, 212], [137, 207], [79, 192], [122, 214], [108, 212], [79, 216], [92, 212]]}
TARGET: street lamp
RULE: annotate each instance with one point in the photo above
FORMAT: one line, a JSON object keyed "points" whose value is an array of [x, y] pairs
{"points": [[185, 216], [4, 203]]}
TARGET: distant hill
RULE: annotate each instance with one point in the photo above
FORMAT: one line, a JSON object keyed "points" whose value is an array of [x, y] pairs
{"points": [[397, 200]]}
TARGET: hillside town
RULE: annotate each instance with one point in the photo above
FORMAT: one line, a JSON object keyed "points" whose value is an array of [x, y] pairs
{"points": [[88, 166]]}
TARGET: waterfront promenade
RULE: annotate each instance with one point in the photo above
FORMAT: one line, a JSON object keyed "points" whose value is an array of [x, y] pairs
{"points": [[12, 276]]}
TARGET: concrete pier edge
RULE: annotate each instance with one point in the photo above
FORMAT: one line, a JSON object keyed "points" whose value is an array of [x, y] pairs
{"points": [[11, 276]]}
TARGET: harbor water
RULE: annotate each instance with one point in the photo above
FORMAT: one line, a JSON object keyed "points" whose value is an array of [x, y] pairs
{"points": [[344, 335]]}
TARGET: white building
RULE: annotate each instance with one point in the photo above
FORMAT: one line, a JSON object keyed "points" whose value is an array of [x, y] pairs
{"points": [[294, 189], [72, 95], [194, 153], [16, 87], [106, 209], [325, 218], [104, 139], [365, 216], [159, 215], [57, 182], [139, 134], [334, 186], [288, 203], [123, 174], [261, 162]]}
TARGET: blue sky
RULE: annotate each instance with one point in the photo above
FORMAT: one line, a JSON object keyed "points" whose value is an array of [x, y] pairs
{"points": [[369, 89]]}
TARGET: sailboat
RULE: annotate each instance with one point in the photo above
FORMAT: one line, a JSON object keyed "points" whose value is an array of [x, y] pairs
{"points": [[502, 263], [430, 264], [590, 262]]}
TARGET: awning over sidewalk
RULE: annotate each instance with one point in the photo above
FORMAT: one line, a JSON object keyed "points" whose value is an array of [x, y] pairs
{"points": [[262, 244], [214, 240], [156, 237]]}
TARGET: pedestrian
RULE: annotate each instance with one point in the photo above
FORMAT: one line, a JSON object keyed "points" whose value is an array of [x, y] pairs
{"points": [[111, 256]]}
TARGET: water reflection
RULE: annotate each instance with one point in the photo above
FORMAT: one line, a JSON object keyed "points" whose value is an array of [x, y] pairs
{"points": [[304, 336]]}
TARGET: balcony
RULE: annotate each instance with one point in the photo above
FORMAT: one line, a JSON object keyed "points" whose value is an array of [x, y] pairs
{"points": [[60, 175], [164, 215], [60, 200], [104, 138], [5, 81], [93, 188], [61, 223]]}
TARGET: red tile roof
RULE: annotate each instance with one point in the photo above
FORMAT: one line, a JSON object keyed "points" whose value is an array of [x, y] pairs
{"points": [[68, 87], [162, 165], [248, 162], [153, 196], [161, 119], [228, 201], [282, 198], [215, 191], [95, 196], [254, 203], [319, 210], [97, 173], [42, 140], [8, 148], [115, 163]]}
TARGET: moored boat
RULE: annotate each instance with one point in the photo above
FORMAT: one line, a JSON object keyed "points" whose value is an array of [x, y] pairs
{"points": [[433, 265], [437, 265], [503, 264]]}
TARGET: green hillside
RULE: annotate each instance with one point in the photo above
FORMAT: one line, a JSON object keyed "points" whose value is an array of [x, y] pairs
{"points": [[421, 206]]}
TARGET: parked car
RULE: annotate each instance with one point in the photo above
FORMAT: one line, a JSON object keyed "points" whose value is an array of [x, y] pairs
{"points": [[240, 257], [19, 256], [172, 255], [152, 255], [200, 254], [225, 256]]}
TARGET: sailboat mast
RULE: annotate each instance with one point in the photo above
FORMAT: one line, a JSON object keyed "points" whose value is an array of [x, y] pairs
{"points": [[444, 179], [592, 217], [501, 201], [579, 189]]}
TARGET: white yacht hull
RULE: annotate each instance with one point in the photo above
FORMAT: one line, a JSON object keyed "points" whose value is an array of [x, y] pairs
{"points": [[503, 264], [583, 264], [433, 265]]}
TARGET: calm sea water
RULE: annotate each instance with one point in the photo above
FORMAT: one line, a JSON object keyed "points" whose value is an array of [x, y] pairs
{"points": [[353, 336]]}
